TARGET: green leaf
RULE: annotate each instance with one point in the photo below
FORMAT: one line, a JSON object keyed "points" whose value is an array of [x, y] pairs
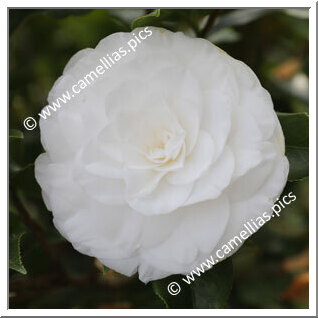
{"points": [[298, 163], [105, 269], [240, 17], [183, 299], [14, 133], [296, 128], [212, 288], [296, 131], [174, 20], [15, 261], [226, 35], [145, 20]]}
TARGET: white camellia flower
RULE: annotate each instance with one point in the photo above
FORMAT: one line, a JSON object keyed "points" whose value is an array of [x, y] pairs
{"points": [[164, 158]]}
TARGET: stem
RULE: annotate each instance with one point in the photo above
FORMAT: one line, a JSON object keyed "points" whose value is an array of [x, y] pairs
{"points": [[210, 23]]}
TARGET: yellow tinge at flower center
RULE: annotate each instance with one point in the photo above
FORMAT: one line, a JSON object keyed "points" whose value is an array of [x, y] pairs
{"points": [[167, 147]]}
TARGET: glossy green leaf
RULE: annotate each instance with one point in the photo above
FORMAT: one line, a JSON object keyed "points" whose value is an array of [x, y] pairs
{"points": [[15, 261], [145, 20], [296, 131], [182, 299], [212, 288], [298, 163]]}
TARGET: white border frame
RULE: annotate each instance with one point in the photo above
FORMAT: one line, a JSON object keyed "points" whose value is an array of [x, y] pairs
{"points": [[312, 161]]}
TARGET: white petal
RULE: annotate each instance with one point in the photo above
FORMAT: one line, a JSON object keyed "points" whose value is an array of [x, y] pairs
{"points": [[127, 266], [196, 163], [217, 118], [241, 213], [246, 142], [259, 104], [164, 199], [103, 189], [141, 182], [141, 128], [215, 179], [149, 272], [249, 209], [103, 231], [60, 192], [98, 163], [201, 222], [75, 58], [244, 187], [196, 233], [182, 93]]}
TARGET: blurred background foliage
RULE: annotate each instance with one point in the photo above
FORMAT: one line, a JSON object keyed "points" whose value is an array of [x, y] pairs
{"points": [[270, 270]]}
